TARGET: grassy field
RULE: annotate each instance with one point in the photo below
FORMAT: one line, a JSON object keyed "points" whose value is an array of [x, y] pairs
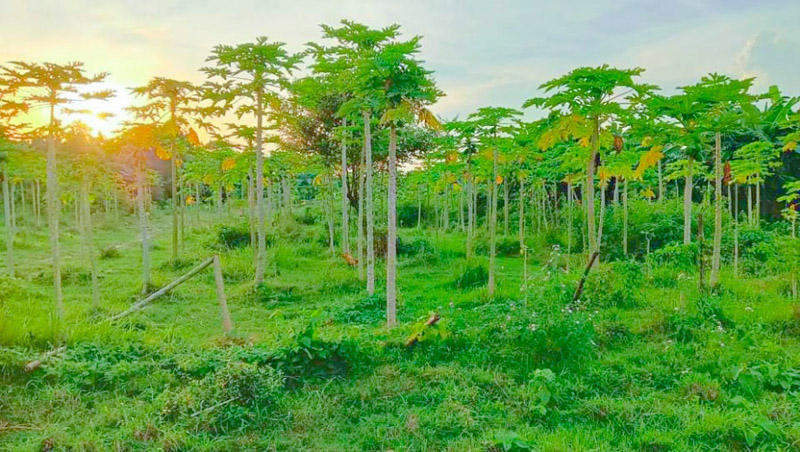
{"points": [[643, 362]]}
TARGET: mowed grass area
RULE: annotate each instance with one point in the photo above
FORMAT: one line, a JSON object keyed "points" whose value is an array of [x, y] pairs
{"points": [[644, 362]]}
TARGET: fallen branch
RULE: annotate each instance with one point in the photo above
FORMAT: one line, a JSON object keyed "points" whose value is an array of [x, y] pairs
{"points": [[162, 291], [8, 427], [33, 365], [416, 336], [212, 407], [579, 289]]}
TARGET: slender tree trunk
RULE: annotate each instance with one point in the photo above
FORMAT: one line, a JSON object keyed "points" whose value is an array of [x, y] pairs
{"points": [[14, 206], [569, 228], [602, 218], [361, 218], [521, 213], [505, 208], [736, 235], [419, 206], [470, 217], [330, 211], [750, 204], [9, 228], [53, 210], [625, 217], [88, 233], [687, 203], [286, 189], [251, 204], [589, 198], [38, 208], [660, 183], [757, 212], [446, 207], [493, 218], [345, 220], [174, 189], [261, 221], [716, 256], [391, 227], [142, 174], [370, 220], [461, 209], [24, 205], [616, 191]]}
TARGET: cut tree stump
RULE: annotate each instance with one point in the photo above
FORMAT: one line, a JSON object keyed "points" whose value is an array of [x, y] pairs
{"points": [[223, 302]]}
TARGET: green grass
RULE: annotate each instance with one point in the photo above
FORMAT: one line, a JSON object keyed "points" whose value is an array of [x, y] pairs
{"points": [[643, 363]]}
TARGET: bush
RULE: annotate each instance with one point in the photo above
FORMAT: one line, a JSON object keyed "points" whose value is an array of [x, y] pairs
{"points": [[313, 358], [369, 310], [472, 278], [233, 236], [617, 284], [109, 252], [272, 294], [683, 257], [231, 397]]}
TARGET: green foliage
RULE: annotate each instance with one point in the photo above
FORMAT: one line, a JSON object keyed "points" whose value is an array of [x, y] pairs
{"points": [[232, 237], [472, 277], [310, 357], [233, 397], [368, 310]]}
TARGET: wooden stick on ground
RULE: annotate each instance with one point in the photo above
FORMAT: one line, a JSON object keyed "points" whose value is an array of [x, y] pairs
{"points": [[33, 365], [223, 303], [579, 289], [162, 291], [416, 336]]}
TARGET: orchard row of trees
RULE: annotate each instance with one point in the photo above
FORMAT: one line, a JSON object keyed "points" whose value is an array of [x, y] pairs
{"points": [[359, 109]]}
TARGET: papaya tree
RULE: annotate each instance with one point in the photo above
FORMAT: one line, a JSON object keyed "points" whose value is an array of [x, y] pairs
{"points": [[588, 99], [58, 89], [247, 79]]}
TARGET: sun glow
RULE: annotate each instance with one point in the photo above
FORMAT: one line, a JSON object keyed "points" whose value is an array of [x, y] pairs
{"points": [[103, 117]]}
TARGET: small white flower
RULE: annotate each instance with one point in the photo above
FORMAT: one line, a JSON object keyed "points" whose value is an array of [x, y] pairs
{"points": [[748, 309]]}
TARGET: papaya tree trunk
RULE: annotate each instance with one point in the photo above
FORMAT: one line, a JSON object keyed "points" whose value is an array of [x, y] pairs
{"points": [[261, 211], [345, 220], [361, 218], [505, 208], [493, 218], [88, 233], [370, 220], [687, 203], [143, 228], [589, 197], [625, 217], [716, 256], [53, 211], [9, 228], [521, 213], [391, 228]]}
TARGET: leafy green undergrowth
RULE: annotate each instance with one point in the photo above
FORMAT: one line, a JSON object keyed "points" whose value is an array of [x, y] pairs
{"points": [[643, 361]]}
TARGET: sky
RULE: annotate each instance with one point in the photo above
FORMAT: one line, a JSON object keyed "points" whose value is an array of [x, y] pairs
{"points": [[484, 53]]}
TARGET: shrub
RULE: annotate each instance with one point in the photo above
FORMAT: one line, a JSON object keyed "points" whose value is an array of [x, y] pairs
{"points": [[309, 357], [109, 252], [233, 236], [617, 284], [231, 397], [683, 257], [472, 278], [369, 310], [272, 294]]}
